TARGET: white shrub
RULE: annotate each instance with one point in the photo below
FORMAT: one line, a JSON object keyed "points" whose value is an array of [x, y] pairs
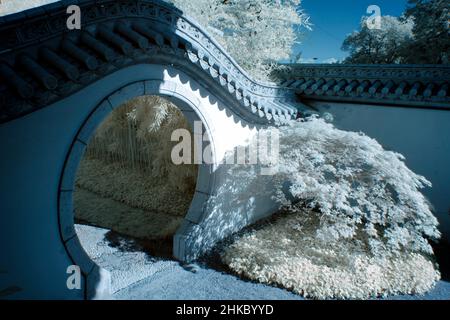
{"points": [[355, 185], [288, 253], [357, 225]]}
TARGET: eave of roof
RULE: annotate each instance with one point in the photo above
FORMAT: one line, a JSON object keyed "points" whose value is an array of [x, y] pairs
{"points": [[423, 86]]}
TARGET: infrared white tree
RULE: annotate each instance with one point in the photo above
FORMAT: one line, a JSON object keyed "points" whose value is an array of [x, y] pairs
{"points": [[355, 223], [385, 45], [419, 36], [256, 33], [431, 31], [358, 188]]}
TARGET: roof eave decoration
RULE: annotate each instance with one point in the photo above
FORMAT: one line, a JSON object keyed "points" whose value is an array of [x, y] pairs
{"points": [[424, 86], [42, 62]]}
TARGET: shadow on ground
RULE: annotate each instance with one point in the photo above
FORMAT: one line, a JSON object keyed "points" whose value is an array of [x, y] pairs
{"points": [[145, 270], [442, 253], [160, 249]]}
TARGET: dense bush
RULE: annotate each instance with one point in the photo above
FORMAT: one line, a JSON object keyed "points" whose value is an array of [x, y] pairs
{"points": [[355, 224], [356, 186]]}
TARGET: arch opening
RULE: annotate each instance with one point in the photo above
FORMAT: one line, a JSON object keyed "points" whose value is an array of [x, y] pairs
{"points": [[127, 181], [213, 214], [128, 197]]}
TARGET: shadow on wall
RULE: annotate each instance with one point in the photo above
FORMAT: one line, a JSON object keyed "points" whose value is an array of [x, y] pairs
{"points": [[226, 104], [242, 196]]}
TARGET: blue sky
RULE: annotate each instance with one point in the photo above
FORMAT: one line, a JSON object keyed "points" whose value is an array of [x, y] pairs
{"points": [[332, 20]]}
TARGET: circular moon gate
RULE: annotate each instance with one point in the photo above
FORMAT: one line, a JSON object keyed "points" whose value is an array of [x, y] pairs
{"points": [[51, 107], [196, 234], [194, 108]]}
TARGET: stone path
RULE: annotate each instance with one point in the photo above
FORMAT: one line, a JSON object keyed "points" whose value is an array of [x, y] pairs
{"points": [[138, 276]]}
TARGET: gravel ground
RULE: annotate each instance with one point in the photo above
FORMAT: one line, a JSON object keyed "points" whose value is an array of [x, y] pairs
{"points": [[207, 284], [136, 275]]}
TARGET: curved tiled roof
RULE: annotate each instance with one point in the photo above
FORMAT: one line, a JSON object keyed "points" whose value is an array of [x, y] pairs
{"points": [[41, 61], [404, 85]]}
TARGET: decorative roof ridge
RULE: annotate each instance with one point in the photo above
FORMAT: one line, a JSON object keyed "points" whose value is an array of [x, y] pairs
{"points": [[380, 71], [41, 33], [405, 85]]}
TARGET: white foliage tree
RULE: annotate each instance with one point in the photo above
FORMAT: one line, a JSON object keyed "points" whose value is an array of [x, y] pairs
{"points": [[385, 45], [419, 36], [356, 186], [257, 33], [355, 223], [431, 31]]}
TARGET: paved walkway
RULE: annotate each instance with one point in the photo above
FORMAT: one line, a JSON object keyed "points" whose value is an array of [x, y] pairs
{"points": [[136, 275], [207, 284]]}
